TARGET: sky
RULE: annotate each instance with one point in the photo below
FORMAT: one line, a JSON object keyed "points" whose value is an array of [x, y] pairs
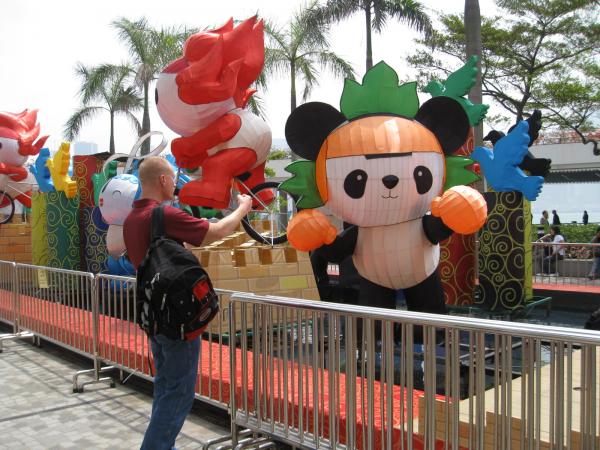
{"points": [[43, 40]]}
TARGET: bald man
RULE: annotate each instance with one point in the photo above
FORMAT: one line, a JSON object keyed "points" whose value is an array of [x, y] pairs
{"points": [[176, 362]]}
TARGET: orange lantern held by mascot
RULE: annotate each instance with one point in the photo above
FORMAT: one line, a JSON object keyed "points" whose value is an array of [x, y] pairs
{"points": [[202, 97], [18, 134]]}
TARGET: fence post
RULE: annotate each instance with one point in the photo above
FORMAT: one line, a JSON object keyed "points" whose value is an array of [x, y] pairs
{"points": [[98, 370], [232, 368], [15, 298]]}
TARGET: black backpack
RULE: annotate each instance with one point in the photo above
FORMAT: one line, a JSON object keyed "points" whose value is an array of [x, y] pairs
{"points": [[175, 297]]}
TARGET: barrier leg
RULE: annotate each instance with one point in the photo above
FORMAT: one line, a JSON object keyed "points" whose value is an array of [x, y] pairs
{"points": [[17, 335], [211, 442], [96, 373]]}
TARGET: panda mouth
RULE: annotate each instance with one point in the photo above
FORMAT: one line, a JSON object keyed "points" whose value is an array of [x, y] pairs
{"points": [[389, 196]]}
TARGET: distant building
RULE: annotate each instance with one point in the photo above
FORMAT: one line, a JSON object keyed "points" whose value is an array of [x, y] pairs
{"points": [[572, 161]]}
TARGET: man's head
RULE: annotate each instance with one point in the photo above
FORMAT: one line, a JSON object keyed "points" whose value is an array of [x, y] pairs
{"points": [[157, 179], [545, 213], [553, 211], [554, 230]]}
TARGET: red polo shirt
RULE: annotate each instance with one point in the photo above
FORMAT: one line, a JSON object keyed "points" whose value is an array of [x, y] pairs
{"points": [[179, 226]]}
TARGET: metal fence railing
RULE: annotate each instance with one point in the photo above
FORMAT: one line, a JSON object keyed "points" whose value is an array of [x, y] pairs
{"points": [[7, 293], [566, 264], [319, 375], [123, 345]]}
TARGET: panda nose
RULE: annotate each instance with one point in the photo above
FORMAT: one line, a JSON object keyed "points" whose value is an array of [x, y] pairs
{"points": [[390, 181]]}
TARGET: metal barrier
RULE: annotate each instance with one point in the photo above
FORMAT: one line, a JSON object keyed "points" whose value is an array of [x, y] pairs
{"points": [[9, 303], [319, 375], [7, 294], [566, 264], [338, 376], [123, 345]]}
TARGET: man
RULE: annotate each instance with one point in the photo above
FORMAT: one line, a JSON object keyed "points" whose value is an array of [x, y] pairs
{"points": [[558, 251], [555, 218], [544, 220], [176, 362]]}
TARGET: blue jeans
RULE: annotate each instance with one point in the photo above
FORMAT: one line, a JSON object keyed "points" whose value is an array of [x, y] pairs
{"points": [[176, 365]]}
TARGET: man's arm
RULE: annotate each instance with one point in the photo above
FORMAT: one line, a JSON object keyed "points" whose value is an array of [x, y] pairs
{"points": [[227, 225]]}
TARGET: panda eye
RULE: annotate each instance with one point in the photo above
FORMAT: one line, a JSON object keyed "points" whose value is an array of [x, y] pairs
{"points": [[355, 183], [423, 179]]}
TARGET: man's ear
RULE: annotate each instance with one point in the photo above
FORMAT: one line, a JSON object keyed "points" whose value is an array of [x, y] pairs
{"points": [[445, 118], [308, 126]]}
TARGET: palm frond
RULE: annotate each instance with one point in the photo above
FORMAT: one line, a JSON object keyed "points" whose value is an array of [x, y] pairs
{"points": [[127, 100], [333, 11], [276, 63], [256, 106], [411, 12], [335, 64], [136, 37], [276, 37], [79, 118], [133, 121], [308, 71]]}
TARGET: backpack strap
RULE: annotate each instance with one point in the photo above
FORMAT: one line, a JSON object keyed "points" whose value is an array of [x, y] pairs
{"points": [[157, 229]]}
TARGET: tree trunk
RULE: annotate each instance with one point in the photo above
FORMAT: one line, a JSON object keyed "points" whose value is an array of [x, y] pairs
{"points": [[473, 38], [146, 120], [368, 28], [111, 147], [293, 96]]}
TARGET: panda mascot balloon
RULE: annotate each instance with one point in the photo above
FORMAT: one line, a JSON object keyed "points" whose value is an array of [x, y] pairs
{"points": [[385, 165]]}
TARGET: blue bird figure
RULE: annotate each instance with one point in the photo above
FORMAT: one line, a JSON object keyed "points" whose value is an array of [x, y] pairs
{"points": [[41, 172], [500, 166]]}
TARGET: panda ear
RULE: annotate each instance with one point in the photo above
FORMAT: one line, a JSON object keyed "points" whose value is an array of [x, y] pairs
{"points": [[445, 118], [309, 125]]}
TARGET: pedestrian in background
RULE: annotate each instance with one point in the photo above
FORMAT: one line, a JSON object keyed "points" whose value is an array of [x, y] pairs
{"points": [[585, 217], [555, 218], [544, 221]]}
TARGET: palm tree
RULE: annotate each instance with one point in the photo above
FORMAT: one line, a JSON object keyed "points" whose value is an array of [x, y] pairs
{"points": [[106, 84], [473, 47], [150, 50], [298, 49], [377, 13]]}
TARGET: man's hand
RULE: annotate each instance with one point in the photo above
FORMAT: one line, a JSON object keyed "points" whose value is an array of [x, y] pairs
{"points": [[244, 203]]}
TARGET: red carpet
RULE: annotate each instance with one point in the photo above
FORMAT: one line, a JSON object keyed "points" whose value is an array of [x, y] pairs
{"points": [[588, 289], [122, 342]]}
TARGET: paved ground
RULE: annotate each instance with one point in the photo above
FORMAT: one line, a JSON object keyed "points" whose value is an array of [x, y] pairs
{"points": [[39, 411]]}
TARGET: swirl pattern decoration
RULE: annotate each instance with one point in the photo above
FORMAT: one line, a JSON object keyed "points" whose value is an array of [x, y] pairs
{"points": [[502, 252], [62, 226], [93, 240], [457, 256], [39, 241], [84, 166]]}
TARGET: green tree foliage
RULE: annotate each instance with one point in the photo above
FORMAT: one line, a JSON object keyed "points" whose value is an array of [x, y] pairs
{"points": [[298, 50], [278, 154], [150, 50], [377, 13], [538, 54], [104, 88]]}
